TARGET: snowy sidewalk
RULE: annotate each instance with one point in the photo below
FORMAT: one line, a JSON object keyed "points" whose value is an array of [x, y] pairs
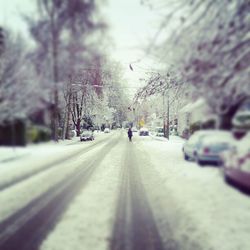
{"points": [[9, 154], [172, 138], [21, 162]]}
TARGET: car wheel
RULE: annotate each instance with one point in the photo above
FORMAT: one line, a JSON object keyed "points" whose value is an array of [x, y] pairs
{"points": [[201, 163], [227, 179], [186, 157], [219, 163]]}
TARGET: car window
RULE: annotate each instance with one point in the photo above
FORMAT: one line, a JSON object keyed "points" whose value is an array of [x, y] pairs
{"points": [[194, 138], [86, 133]]}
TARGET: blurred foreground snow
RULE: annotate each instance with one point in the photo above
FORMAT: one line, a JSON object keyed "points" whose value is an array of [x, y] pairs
{"points": [[192, 206]]}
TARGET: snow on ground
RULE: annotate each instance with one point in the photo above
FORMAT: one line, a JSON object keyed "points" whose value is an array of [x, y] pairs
{"points": [[204, 212], [87, 223], [8, 154], [19, 195], [20, 161], [193, 207]]}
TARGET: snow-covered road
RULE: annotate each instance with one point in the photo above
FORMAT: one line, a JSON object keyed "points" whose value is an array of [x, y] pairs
{"points": [[119, 195]]}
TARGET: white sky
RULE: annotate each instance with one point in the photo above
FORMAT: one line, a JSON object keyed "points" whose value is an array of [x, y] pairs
{"points": [[131, 26], [11, 11]]}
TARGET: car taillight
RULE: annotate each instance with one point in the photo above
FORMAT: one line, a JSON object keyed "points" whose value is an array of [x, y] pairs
{"points": [[242, 160], [206, 150]]}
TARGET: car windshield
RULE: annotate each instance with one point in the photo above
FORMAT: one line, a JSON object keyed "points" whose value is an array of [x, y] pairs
{"points": [[200, 135], [195, 138], [87, 133], [218, 138], [159, 130]]}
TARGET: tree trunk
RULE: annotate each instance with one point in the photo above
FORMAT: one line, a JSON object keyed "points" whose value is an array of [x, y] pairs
{"points": [[78, 127], [66, 133], [68, 136], [225, 120], [55, 122]]}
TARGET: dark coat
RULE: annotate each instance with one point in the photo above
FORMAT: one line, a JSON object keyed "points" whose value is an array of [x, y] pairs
{"points": [[130, 133]]}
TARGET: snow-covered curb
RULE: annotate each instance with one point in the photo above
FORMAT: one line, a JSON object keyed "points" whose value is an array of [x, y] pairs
{"points": [[8, 154], [34, 158], [204, 212]]}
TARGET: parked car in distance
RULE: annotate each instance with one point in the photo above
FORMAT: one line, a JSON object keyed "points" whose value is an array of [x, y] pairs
{"points": [[106, 130], [236, 164], [205, 146], [191, 146], [159, 131], [143, 132], [87, 136], [212, 146]]}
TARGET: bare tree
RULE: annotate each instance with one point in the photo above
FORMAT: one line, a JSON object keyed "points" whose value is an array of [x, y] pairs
{"points": [[160, 82], [20, 95], [210, 45], [220, 66], [169, 85], [59, 20], [82, 97]]}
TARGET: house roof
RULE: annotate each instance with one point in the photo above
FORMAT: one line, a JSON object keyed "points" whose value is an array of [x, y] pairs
{"points": [[191, 106]]}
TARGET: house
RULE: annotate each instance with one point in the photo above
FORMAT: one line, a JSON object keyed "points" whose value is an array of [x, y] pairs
{"points": [[241, 120], [194, 116]]}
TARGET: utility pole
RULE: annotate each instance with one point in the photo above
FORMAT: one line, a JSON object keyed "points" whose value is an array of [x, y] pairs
{"points": [[163, 112], [167, 129], [134, 118], [166, 116]]}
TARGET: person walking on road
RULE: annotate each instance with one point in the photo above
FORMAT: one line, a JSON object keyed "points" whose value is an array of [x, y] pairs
{"points": [[130, 134]]}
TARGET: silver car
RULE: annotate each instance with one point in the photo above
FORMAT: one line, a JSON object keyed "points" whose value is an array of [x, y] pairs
{"points": [[87, 136], [212, 146], [193, 143], [205, 146]]}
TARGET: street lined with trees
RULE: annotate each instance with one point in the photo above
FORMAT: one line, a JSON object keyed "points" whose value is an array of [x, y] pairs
{"points": [[207, 43], [143, 111], [64, 79]]}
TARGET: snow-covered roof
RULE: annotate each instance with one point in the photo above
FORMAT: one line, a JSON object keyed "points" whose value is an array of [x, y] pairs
{"points": [[191, 106], [143, 129], [221, 137]]}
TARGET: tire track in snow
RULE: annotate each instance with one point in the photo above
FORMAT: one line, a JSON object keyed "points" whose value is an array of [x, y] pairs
{"points": [[46, 167], [134, 227], [26, 229]]}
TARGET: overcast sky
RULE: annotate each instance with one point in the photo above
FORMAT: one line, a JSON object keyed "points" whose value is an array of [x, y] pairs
{"points": [[131, 26]]}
